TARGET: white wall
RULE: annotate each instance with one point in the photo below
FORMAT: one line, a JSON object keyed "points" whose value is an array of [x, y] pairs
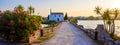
{"points": [[56, 17]]}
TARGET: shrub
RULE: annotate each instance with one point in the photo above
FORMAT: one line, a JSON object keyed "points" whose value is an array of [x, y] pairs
{"points": [[17, 27], [52, 22], [74, 20]]}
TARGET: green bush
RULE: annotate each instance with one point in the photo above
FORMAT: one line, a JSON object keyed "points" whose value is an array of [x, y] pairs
{"points": [[52, 22], [74, 21], [17, 27], [116, 37]]}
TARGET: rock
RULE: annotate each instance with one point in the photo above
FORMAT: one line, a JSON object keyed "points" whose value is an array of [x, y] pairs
{"points": [[81, 26]]}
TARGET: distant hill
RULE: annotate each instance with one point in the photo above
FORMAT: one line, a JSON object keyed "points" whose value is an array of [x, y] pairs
{"points": [[93, 18]]}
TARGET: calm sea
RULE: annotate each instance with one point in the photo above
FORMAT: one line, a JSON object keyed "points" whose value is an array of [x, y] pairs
{"points": [[93, 24]]}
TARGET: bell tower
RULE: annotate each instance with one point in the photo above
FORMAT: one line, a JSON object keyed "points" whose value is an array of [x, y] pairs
{"points": [[50, 11]]}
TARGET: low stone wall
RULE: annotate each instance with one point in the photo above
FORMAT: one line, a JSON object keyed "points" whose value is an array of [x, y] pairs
{"points": [[103, 36], [117, 42], [99, 34], [37, 33], [89, 32], [34, 36]]}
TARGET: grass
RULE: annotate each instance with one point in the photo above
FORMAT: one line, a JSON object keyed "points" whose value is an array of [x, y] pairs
{"points": [[116, 37], [48, 26], [45, 37]]}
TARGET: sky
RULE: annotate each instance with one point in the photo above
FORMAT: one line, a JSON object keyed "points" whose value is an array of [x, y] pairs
{"points": [[71, 7]]}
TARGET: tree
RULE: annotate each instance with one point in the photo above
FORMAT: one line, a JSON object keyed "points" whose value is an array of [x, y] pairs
{"points": [[98, 10], [74, 20], [17, 26], [66, 17], [31, 10], [0, 11], [116, 12], [52, 23], [91, 17], [19, 8], [48, 17], [105, 16], [109, 17]]}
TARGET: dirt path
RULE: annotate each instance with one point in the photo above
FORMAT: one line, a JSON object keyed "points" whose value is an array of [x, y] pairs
{"points": [[69, 35]]}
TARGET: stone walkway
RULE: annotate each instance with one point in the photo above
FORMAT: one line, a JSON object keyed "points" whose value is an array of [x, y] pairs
{"points": [[69, 35]]}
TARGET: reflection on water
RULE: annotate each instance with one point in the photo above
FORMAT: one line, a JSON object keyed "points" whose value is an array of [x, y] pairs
{"points": [[93, 24]]}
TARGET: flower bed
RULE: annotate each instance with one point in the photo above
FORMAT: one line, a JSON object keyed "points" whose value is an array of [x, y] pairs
{"points": [[17, 27]]}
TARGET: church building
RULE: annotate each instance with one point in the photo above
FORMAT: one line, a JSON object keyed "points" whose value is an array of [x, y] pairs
{"points": [[57, 16]]}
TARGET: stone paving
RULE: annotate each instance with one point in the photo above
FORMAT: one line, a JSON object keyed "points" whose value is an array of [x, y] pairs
{"points": [[69, 35]]}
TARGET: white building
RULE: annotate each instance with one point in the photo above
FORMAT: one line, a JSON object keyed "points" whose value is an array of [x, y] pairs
{"points": [[57, 16]]}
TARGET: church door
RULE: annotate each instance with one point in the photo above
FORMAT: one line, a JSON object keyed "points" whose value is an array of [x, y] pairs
{"points": [[58, 19]]}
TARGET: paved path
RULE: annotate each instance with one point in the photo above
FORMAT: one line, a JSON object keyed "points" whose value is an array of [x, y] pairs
{"points": [[69, 35]]}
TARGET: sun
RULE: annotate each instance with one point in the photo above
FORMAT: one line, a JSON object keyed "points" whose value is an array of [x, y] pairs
{"points": [[116, 4]]}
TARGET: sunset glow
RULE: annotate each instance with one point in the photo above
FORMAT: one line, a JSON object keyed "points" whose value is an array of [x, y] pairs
{"points": [[72, 7], [116, 4]]}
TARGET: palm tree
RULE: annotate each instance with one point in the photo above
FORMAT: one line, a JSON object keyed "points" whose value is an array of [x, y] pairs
{"points": [[20, 8], [0, 12], [98, 11], [107, 18], [116, 12], [31, 10]]}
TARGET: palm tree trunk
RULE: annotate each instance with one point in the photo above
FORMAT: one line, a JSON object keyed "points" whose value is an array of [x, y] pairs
{"points": [[113, 29], [109, 28], [104, 23], [105, 26]]}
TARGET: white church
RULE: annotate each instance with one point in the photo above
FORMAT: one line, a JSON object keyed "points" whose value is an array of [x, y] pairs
{"points": [[57, 16]]}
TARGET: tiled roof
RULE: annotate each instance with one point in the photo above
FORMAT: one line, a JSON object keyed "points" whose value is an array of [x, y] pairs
{"points": [[56, 13]]}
